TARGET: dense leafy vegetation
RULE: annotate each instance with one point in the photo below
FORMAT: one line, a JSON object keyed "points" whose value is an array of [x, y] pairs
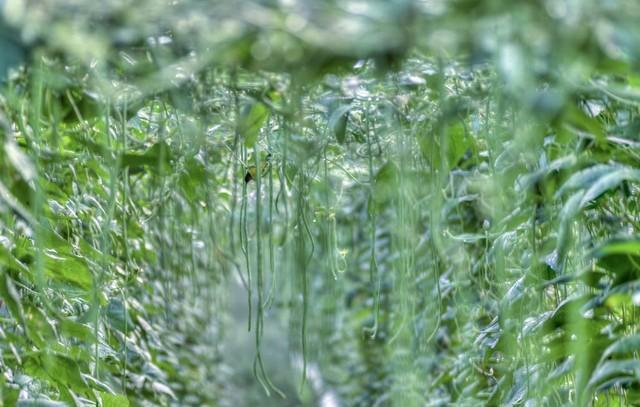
{"points": [[353, 203]]}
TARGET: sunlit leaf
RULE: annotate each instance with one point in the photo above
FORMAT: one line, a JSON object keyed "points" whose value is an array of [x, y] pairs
{"points": [[253, 115], [114, 400]]}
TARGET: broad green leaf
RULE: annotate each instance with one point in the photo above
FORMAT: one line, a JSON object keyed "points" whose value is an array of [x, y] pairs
{"points": [[63, 370], [593, 182], [9, 394], [68, 268], [617, 368], [386, 183], [193, 176], [627, 344], [585, 178], [527, 181], [619, 382], [8, 198], [163, 389], [630, 246], [252, 117], [458, 143], [39, 328], [76, 330], [568, 312], [96, 384], [567, 215], [56, 244], [338, 119], [580, 120], [114, 400], [609, 181], [117, 315], [157, 158], [621, 257]]}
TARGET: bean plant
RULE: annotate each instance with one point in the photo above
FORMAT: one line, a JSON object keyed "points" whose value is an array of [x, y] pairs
{"points": [[284, 203]]}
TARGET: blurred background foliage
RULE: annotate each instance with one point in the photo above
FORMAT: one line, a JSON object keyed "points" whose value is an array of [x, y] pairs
{"points": [[354, 203]]}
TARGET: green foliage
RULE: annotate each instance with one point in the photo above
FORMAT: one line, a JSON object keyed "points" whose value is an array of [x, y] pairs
{"points": [[252, 117], [443, 206]]}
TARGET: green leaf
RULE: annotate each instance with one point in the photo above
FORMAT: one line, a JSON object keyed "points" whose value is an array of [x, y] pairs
{"points": [[9, 393], [386, 183], [622, 346], [76, 330], [585, 178], [609, 181], [252, 116], [580, 120], [63, 370], [455, 145], [11, 297], [163, 389], [567, 312], [621, 257], [114, 400], [157, 158], [614, 368], [528, 180], [118, 315], [338, 119], [567, 215], [39, 328], [68, 268], [592, 183], [193, 176], [14, 203], [61, 246], [458, 143], [515, 293], [630, 246]]}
